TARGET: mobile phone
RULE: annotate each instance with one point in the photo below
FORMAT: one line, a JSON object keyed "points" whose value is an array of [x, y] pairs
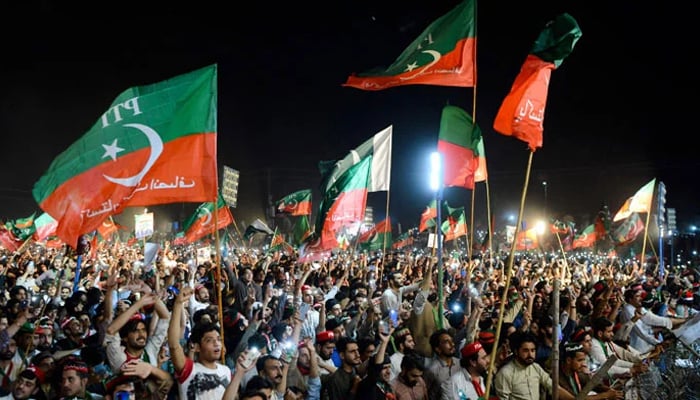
{"points": [[383, 327], [303, 310], [394, 317], [250, 357], [24, 304], [122, 395]]}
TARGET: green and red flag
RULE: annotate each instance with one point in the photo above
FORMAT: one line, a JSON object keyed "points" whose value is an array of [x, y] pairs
{"points": [[279, 244], [444, 55], [8, 240], [22, 228], [297, 203], [155, 144], [207, 219], [602, 223], [404, 240], [458, 142], [44, 226], [344, 202], [522, 112], [379, 148], [628, 230], [301, 230], [455, 223], [481, 174], [377, 237], [587, 238], [639, 203], [427, 218], [107, 228]]}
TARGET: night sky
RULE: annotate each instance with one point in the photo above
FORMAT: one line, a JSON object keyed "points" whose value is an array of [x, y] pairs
{"points": [[618, 111]]}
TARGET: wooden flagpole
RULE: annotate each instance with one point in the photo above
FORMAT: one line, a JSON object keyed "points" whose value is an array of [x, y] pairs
{"points": [[380, 270], [217, 274], [508, 274], [646, 229]]}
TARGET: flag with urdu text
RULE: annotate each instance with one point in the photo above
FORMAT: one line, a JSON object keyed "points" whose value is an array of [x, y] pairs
{"points": [[379, 147], [155, 144], [427, 217], [443, 55], [404, 240], [44, 226], [301, 230], [587, 238], [455, 223], [344, 202], [204, 221], [522, 112], [297, 203], [628, 230], [639, 203], [458, 142], [376, 238]]}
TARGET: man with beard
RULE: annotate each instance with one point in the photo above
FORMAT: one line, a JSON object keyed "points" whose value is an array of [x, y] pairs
{"points": [[342, 384], [572, 378], [443, 364], [469, 381], [245, 289], [73, 339], [325, 343], [628, 364], [376, 385], [409, 385], [306, 374], [392, 298], [140, 351], [26, 386], [26, 345], [522, 378], [404, 343]]}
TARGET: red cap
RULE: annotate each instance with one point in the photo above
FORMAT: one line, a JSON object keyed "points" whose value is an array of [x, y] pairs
{"points": [[325, 336], [304, 288], [486, 337], [471, 349]]}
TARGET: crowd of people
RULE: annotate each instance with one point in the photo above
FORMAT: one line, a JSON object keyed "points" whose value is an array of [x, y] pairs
{"points": [[354, 326]]}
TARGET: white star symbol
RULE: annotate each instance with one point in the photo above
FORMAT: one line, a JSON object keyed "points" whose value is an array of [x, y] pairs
{"points": [[411, 67], [112, 150]]}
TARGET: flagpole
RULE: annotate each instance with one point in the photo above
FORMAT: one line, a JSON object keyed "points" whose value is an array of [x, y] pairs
{"points": [[381, 269], [488, 215], [217, 278], [509, 273], [644, 243], [471, 226]]}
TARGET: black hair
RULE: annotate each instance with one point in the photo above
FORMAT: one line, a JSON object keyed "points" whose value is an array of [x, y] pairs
{"points": [[410, 362], [343, 342], [600, 324], [260, 363], [130, 326], [257, 382], [200, 330], [435, 337], [517, 339]]}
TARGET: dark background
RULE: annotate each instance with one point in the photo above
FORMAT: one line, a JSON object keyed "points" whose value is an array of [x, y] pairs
{"points": [[618, 111]]}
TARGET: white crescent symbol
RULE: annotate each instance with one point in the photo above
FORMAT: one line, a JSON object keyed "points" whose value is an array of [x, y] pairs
{"points": [[106, 223], [436, 57], [207, 217], [156, 145]]}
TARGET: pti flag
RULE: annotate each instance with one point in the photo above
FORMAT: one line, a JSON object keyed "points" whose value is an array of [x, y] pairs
{"points": [[427, 217], [522, 112], [587, 238], [297, 203], [458, 143], [155, 144], [204, 220], [376, 238], [45, 226], [639, 203], [443, 55]]}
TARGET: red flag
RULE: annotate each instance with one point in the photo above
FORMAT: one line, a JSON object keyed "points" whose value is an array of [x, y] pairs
{"points": [[202, 221], [8, 240], [427, 216], [107, 228]]}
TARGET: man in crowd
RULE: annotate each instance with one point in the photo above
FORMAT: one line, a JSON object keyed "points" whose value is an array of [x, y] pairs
{"points": [[409, 384], [573, 379], [325, 346], [469, 381], [628, 363], [403, 340], [443, 365], [343, 383]]}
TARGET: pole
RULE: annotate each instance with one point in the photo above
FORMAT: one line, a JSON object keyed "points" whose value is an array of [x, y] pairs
{"points": [[441, 273], [470, 245], [508, 274], [555, 334], [76, 279], [217, 283]]}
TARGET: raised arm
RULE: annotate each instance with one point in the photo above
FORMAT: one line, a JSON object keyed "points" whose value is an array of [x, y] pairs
{"points": [[177, 354]]}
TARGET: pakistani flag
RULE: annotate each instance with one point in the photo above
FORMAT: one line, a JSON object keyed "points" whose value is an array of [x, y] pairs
{"points": [[258, 226], [444, 55], [297, 203], [458, 142], [587, 238], [206, 219], [379, 148], [155, 144]]}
